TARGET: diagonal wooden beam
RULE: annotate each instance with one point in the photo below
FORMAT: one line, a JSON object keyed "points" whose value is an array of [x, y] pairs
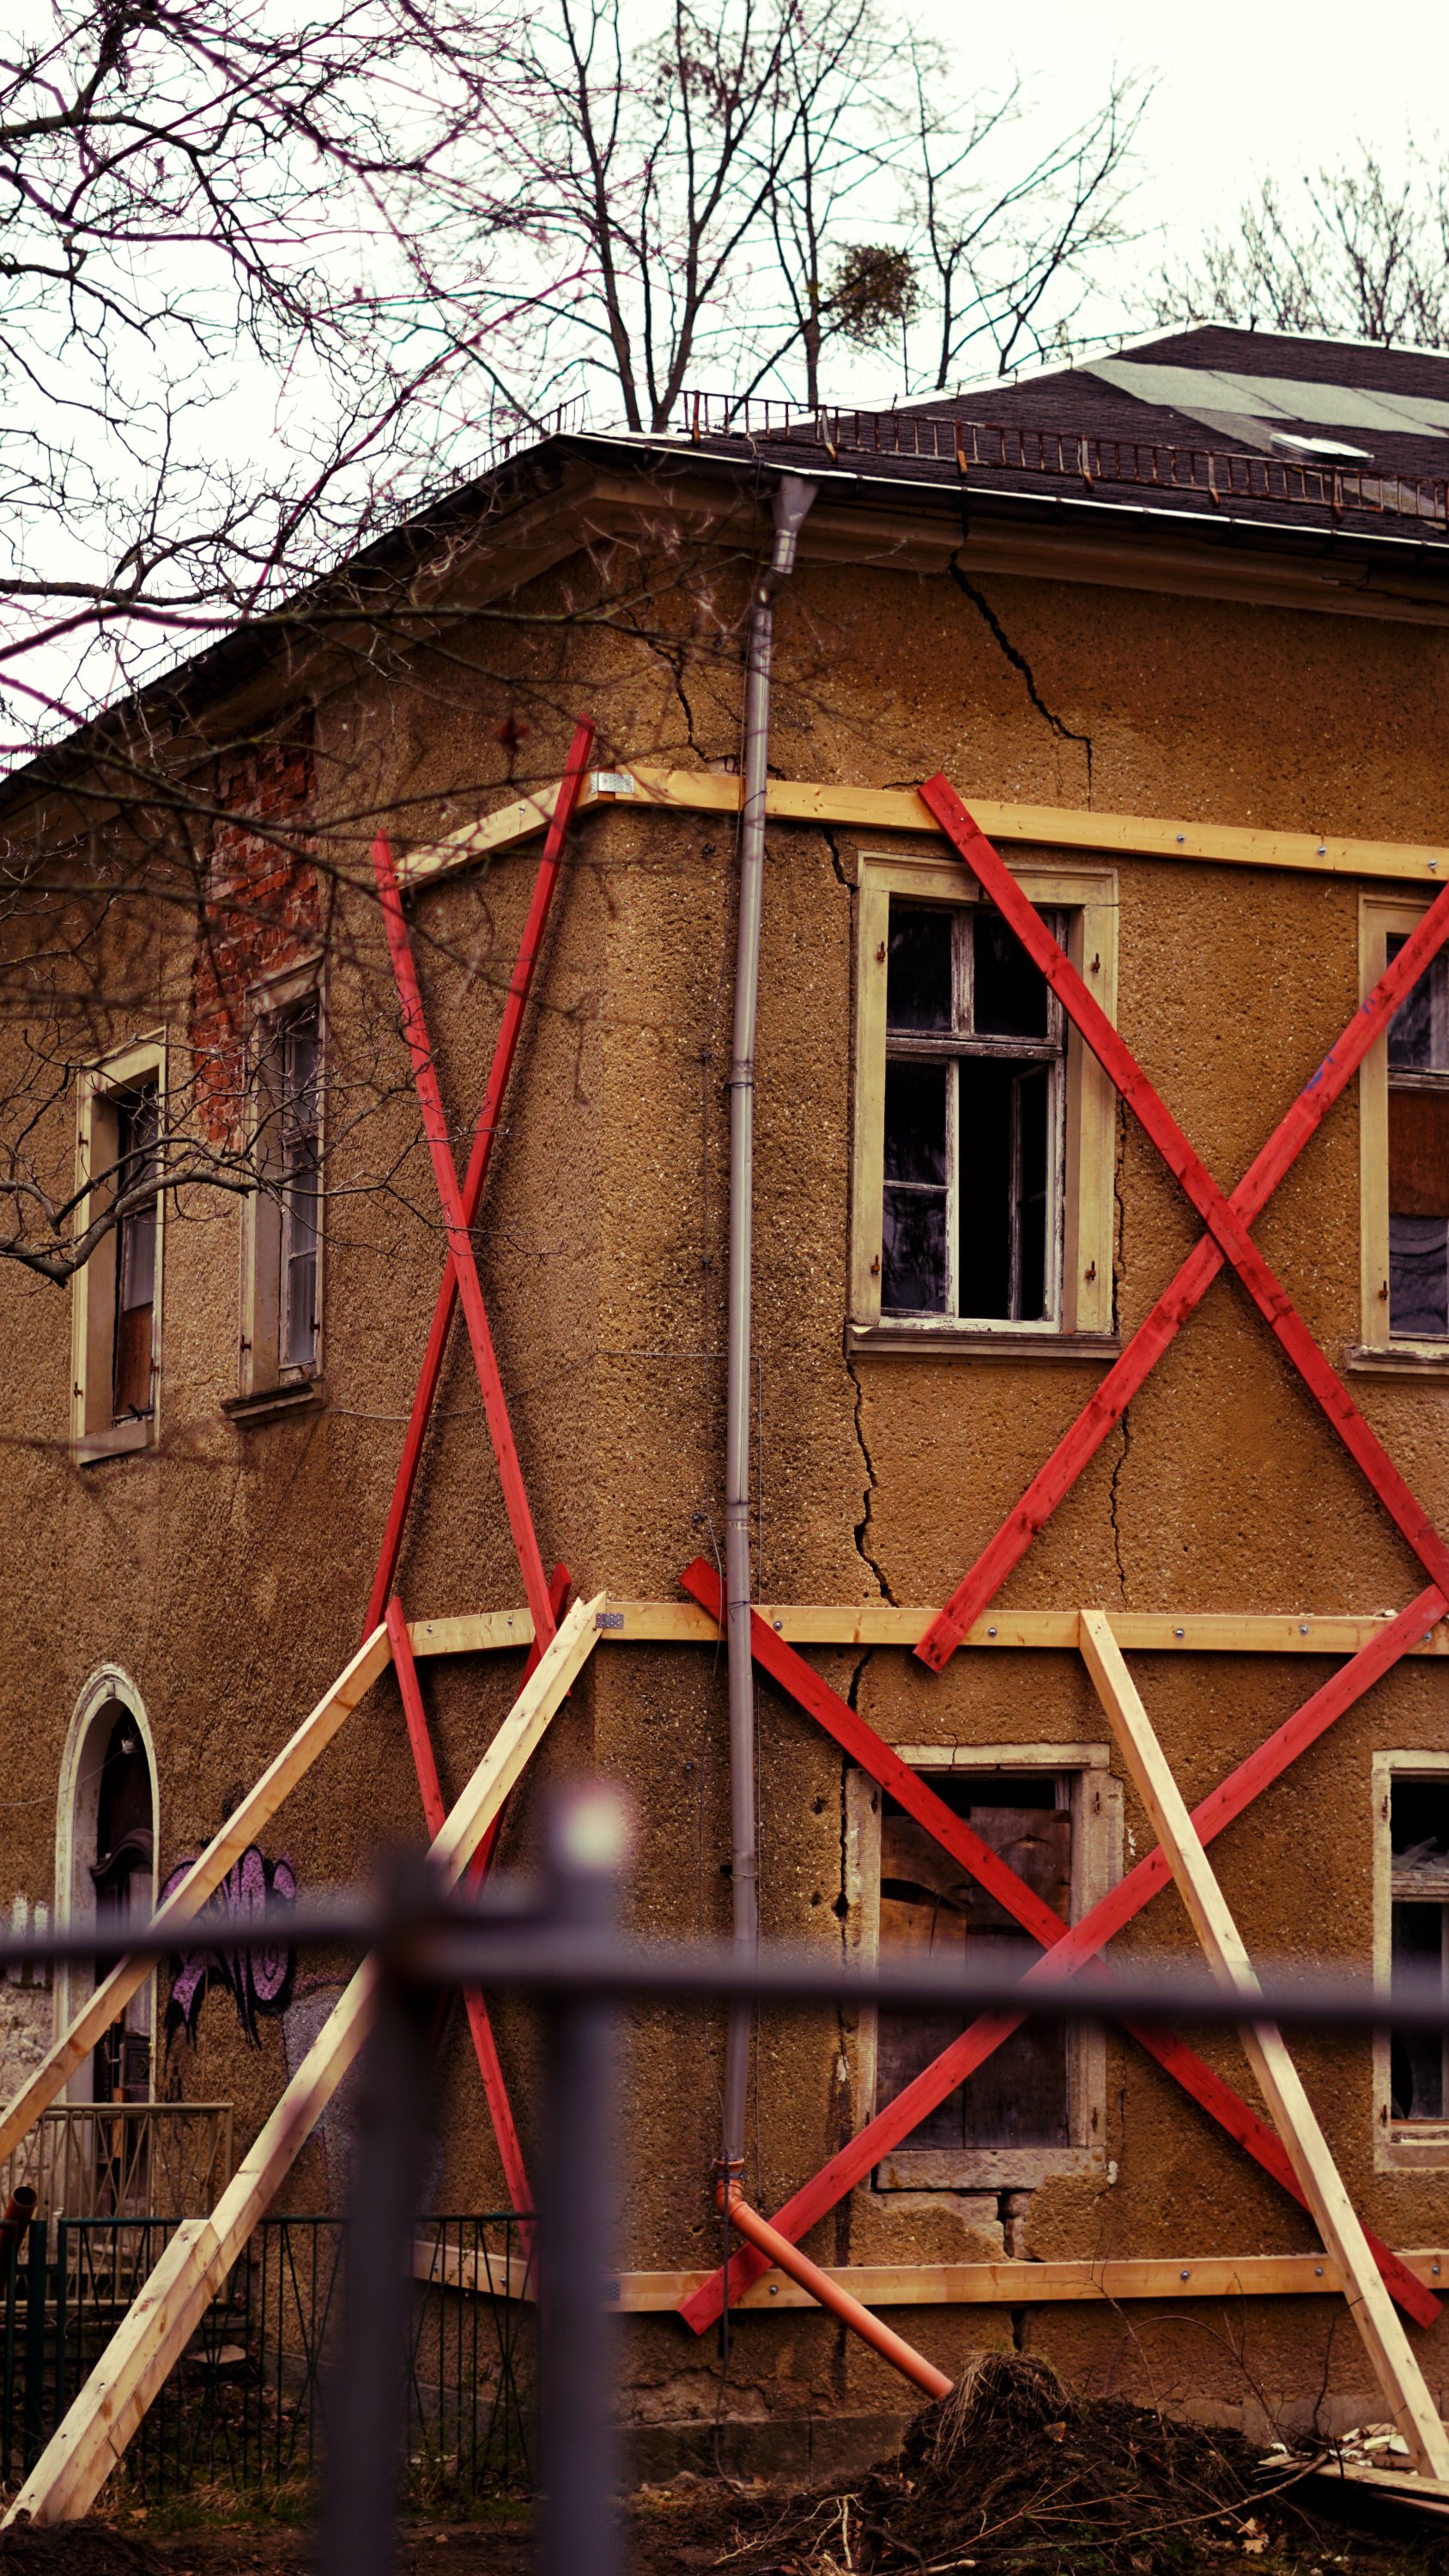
{"points": [[485, 2047], [85, 2448], [1228, 1220], [1339, 2225], [460, 1242], [201, 1882], [510, 1027], [1069, 1947]]}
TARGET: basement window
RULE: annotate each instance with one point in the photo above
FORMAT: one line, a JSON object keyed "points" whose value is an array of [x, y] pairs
{"points": [[985, 1133], [282, 1240], [1035, 2107], [1419, 1846], [116, 1310], [1419, 1156], [1411, 1935]]}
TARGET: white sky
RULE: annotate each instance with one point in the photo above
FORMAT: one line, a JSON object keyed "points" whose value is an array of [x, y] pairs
{"points": [[1242, 91]]}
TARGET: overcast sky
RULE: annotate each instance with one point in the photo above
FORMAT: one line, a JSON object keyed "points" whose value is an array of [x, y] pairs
{"points": [[1241, 91]]}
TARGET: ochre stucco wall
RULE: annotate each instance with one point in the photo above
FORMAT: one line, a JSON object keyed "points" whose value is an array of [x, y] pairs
{"points": [[228, 1574]]}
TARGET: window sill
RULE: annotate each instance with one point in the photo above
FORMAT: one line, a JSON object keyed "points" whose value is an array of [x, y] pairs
{"points": [[1420, 1360], [984, 2168], [121, 1441], [274, 1403], [1421, 2147], [968, 1342]]}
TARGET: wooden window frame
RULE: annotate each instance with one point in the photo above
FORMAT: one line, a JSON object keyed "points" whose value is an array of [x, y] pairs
{"points": [[1096, 1813], [1380, 1351], [265, 1383], [1400, 2146], [95, 1433], [1087, 897]]}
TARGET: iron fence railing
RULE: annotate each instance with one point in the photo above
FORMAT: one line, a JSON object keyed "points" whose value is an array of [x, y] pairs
{"points": [[124, 2160], [245, 2411], [1216, 475]]}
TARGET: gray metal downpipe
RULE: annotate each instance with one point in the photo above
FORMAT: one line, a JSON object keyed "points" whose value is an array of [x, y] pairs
{"points": [[793, 498]]}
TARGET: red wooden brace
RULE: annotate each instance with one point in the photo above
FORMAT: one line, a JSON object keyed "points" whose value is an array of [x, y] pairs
{"points": [[505, 1046], [460, 1245], [1069, 1947], [1227, 1220], [485, 2048]]}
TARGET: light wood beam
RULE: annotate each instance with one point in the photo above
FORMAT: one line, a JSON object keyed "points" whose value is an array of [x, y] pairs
{"points": [[1384, 2338], [883, 1623], [890, 809], [203, 1878], [84, 2449], [929, 2285]]}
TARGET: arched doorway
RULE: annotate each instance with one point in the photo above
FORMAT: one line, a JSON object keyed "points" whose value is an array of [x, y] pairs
{"points": [[105, 1873]]}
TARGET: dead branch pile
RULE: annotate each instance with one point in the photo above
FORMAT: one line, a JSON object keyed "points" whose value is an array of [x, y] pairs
{"points": [[1007, 2472]]}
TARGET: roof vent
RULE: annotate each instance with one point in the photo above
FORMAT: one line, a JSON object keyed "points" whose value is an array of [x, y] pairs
{"points": [[1332, 450]]}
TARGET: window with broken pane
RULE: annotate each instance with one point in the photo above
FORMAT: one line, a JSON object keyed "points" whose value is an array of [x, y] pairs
{"points": [[1419, 1835], [930, 1905], [1419, 1157], [974, 1121]]}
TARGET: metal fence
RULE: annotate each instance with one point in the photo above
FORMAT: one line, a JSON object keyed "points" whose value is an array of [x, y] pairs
{"points": [[124, 2160], [244, 2414]]}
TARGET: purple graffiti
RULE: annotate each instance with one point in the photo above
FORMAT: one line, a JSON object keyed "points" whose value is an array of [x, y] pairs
{"points": [[258, 1981]]}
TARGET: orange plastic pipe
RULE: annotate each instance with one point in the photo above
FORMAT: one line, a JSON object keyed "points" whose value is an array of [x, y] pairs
{"points": [[788, 2257]]}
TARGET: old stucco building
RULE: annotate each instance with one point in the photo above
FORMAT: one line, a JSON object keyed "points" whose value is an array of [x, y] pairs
{"points": [[1176, 626]]}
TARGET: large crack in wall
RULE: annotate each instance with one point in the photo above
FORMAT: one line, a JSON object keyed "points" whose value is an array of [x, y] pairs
{"points": [[1019, 663]]}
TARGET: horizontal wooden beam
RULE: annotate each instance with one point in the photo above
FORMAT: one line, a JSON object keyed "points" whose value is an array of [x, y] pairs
{"points": [[891, 809], [882, 1623], [945, 2285]]}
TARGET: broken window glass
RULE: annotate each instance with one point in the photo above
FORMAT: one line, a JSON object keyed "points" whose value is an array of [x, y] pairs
{"points": [[1419, 1158], [1419, 1833], [974, 1108], [1419, 1029]]}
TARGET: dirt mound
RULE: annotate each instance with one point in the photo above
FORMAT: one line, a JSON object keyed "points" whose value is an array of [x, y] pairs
{"points": [[1007, 2472], [75, 2549]]}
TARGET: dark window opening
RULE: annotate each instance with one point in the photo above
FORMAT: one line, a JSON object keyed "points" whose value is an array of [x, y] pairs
{"points": [[121, 1875], [1419, 1834], [1419, 1157], [1019, 2097], [137, 1141], [301, 1184], [974, 1116]]}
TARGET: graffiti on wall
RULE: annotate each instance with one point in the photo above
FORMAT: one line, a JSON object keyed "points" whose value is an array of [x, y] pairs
{"points": [[258, 1981]]}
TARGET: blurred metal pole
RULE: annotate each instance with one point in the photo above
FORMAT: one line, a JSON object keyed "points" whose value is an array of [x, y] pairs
{"points": [[367, 2415], [578, 2463]]}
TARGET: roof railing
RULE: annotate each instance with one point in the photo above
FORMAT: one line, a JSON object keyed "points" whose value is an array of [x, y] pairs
{"points": [[1218, 475]]}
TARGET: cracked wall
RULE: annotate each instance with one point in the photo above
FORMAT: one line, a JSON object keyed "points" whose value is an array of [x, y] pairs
{"points": [[228, 1573]]}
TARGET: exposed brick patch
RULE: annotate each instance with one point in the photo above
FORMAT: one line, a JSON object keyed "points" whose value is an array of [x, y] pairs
{"points": [[262, 913]]}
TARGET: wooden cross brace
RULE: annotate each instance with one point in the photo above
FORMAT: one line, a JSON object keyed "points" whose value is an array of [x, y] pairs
{"points": [[1069, 1947], [460, 1281], [1385, 2341], [1227, 1239]]}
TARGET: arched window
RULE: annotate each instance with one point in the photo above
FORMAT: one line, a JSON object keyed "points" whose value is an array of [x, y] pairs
{"points": [[105, 1873]]}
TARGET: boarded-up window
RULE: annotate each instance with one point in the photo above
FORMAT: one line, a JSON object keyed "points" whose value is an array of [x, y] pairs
{"points": [[1020, 2097], [1419, 1831], [974, 1121], [1419, 1157]]}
